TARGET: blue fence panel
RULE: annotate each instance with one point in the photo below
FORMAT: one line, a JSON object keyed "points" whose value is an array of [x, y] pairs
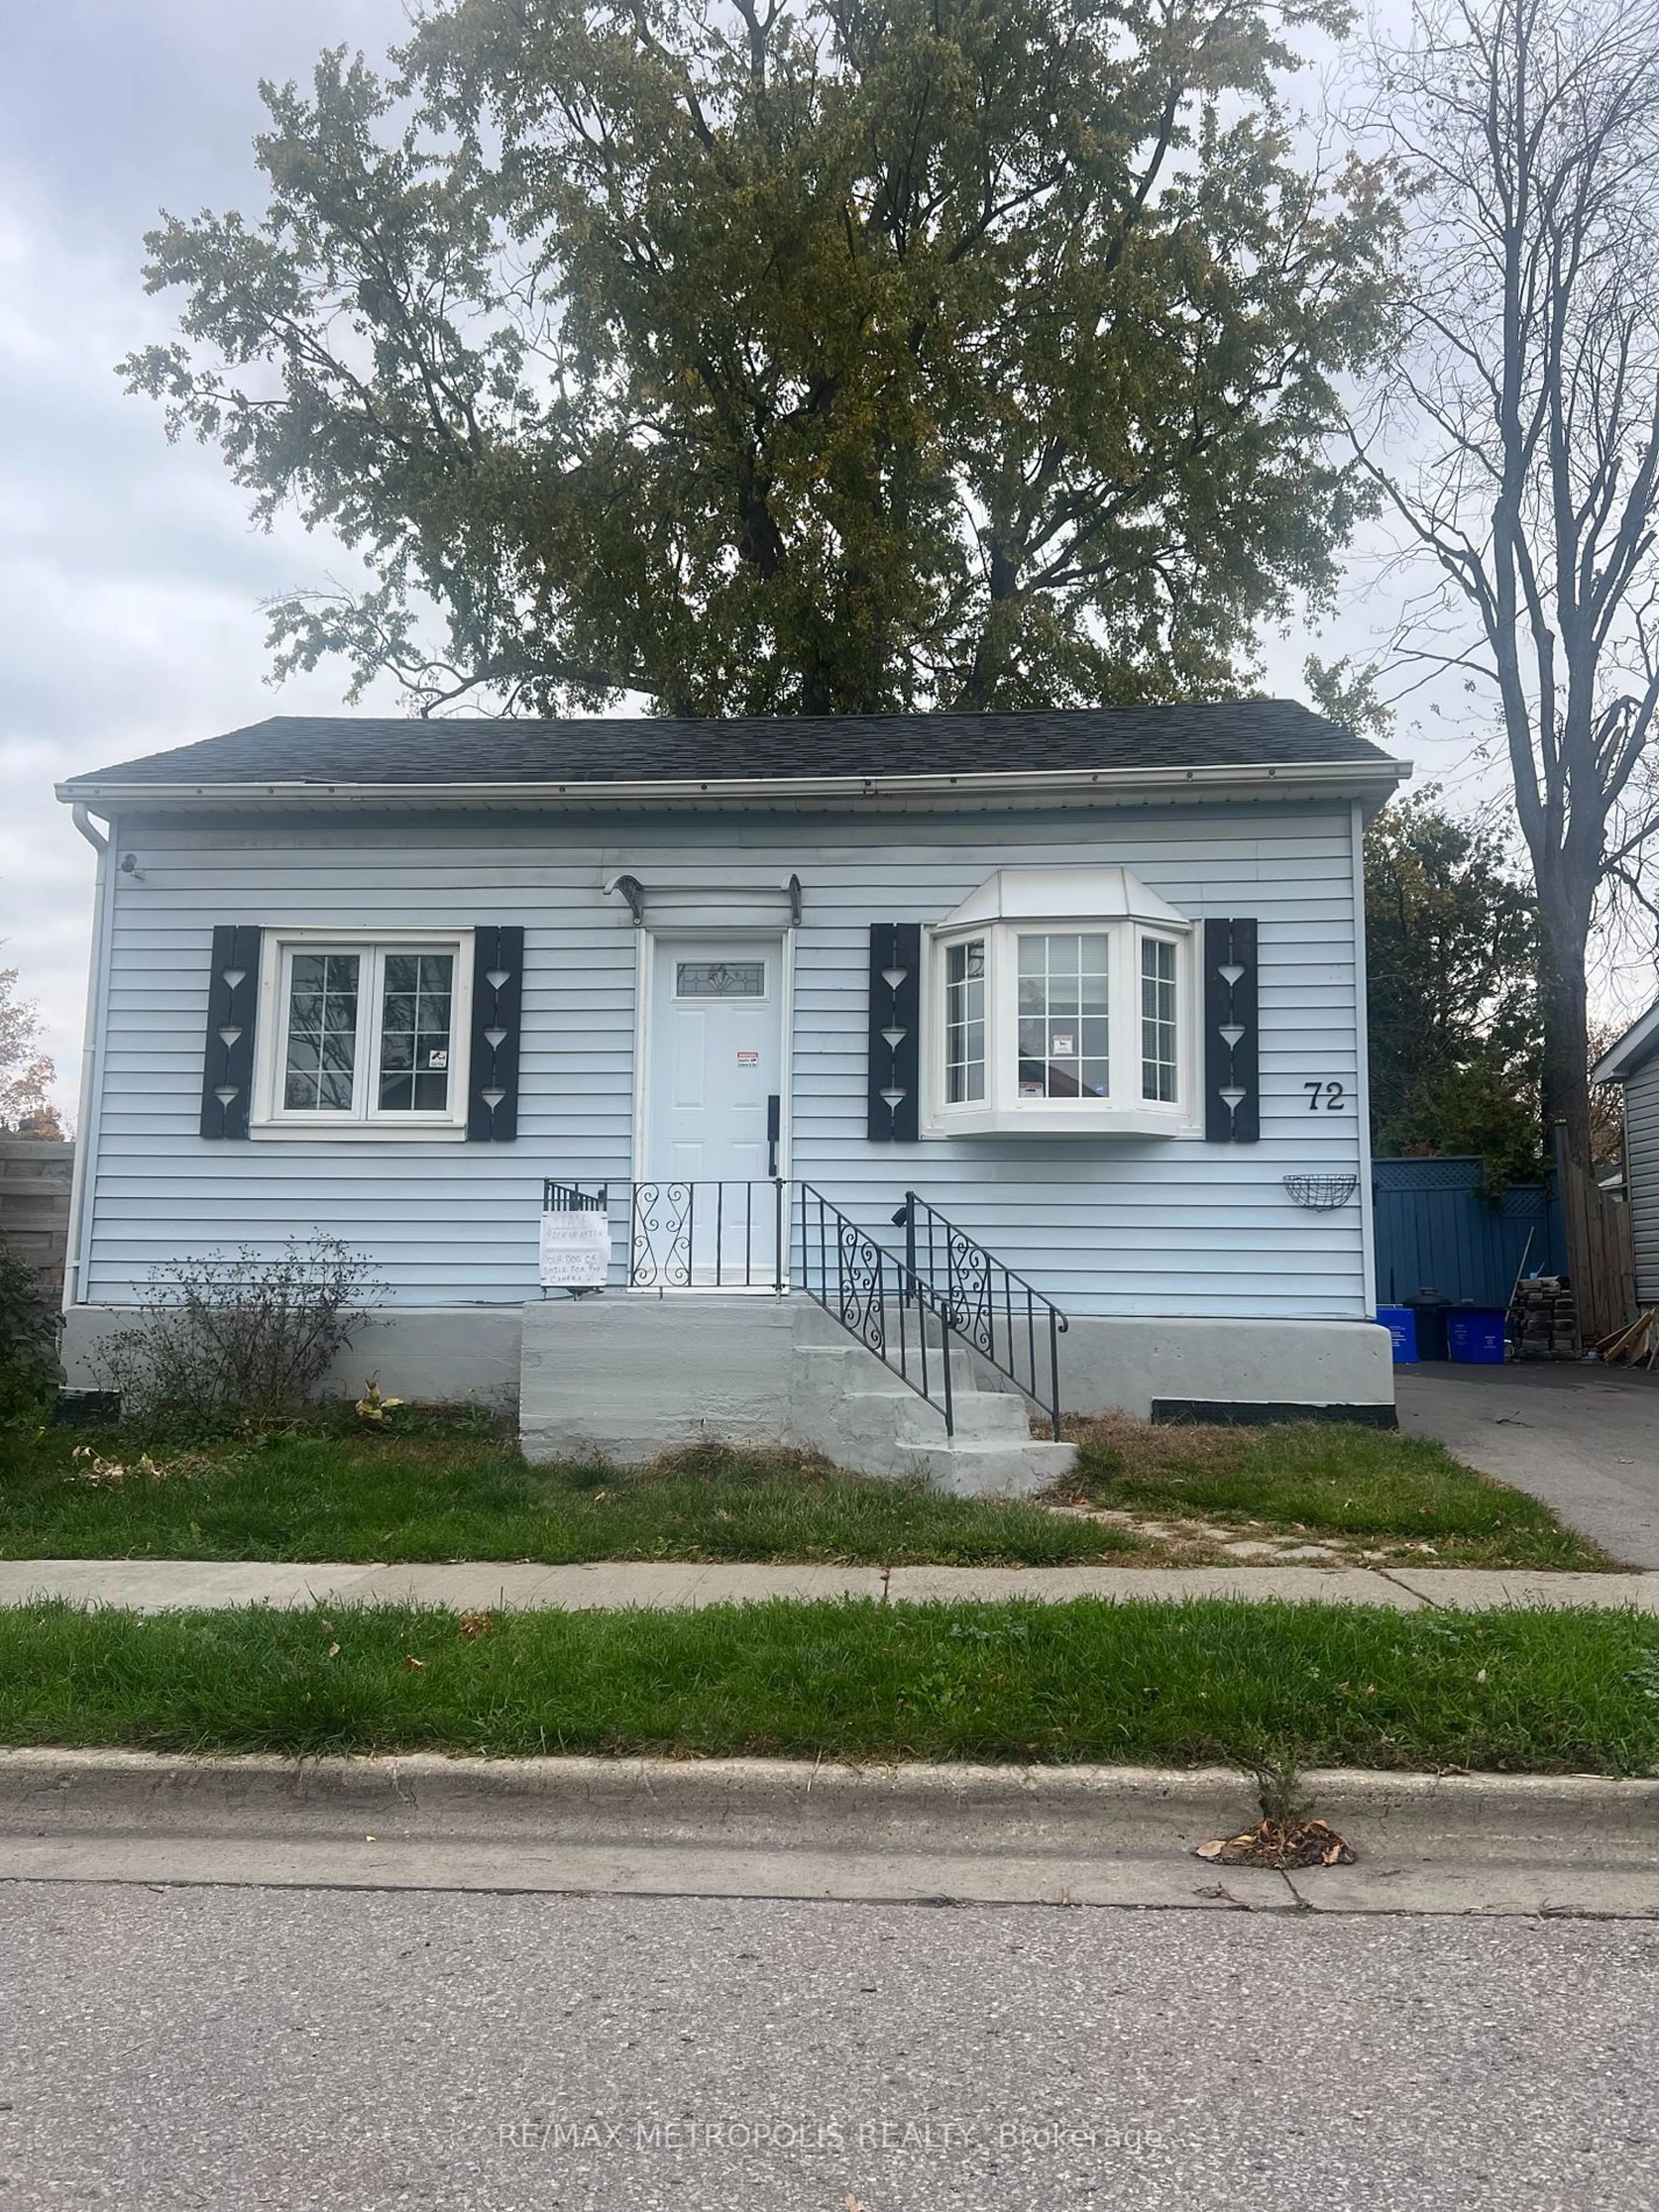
{"points": [[1437, 1228]]}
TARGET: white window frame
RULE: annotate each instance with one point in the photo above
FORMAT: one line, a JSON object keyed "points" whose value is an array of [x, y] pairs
{"points": [[1124, 1111], [366, 1122]]}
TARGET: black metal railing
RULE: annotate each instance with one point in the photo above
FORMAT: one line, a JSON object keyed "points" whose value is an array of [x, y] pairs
{"points": [[567, 1197], [909, 1308], [1000, 1316], [689, 1233], [877, 1299], [714, 1235]]}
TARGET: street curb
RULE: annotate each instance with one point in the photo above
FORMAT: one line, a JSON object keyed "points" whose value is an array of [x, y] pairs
{"points": [[755, 1827]]}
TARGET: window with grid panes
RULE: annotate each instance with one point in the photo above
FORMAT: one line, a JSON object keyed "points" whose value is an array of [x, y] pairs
{"points": [[367, 1034]]}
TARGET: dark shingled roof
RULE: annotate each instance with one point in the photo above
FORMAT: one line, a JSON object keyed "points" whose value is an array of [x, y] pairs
{"points": [[345, 749]]}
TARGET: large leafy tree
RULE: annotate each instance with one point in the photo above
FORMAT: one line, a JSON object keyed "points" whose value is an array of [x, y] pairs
{"points": [[1451, 937], [765, 357]]}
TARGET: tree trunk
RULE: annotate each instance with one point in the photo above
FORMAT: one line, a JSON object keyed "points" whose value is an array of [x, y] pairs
{"points": [[1563, 924]]}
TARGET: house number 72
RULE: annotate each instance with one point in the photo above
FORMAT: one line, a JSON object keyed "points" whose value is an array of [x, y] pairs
{"points": [[1325, 1098]]}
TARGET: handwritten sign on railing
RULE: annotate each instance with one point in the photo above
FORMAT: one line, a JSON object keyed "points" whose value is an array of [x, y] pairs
{"points": [[575, 1251]]}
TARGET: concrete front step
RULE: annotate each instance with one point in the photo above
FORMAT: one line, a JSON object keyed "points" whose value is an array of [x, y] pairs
{"points": [[966, 1467], [842, 1388], [845, 1403]]}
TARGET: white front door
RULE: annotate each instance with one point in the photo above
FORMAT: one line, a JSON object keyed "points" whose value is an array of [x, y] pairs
{"points": [[715, 1080]]}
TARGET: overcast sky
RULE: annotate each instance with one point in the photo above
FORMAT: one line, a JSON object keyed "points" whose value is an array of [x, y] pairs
{"points": [[129, 575]]}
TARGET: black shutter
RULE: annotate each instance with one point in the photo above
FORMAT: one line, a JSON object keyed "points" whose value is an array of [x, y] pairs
{"points": [[228, 1058], [1232, 1058], [895, 1031], [492, 1109]]}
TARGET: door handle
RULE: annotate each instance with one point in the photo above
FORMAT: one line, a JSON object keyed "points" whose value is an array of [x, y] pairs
{"points": [[773, 1130]]}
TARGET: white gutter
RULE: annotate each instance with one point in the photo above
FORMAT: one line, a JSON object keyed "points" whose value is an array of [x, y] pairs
{"points": [[1053, 784], [91, 1064]]}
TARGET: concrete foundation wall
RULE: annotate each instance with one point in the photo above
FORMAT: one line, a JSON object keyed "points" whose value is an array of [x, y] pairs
{"points": [[1126, 1366], [438, 1355], [631, 1376]]}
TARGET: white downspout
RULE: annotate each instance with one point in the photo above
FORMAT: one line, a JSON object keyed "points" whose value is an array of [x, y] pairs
{"points": [[1363, 1065], [92, 1071]]}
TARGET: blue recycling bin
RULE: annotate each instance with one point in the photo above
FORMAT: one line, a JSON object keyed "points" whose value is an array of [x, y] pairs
{"points": [[1401, 1325], [1474, 1335]]}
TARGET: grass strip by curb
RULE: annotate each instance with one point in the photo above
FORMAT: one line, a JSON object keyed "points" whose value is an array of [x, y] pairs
{"points": [[1140, 1682]]}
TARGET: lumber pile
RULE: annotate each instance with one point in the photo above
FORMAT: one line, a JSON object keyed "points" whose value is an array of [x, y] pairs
{"points": [[1635, 1346]]}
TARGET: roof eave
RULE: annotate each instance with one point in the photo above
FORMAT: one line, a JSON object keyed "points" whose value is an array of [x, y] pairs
{"points": [[1307, 778], [1632, 1051]]}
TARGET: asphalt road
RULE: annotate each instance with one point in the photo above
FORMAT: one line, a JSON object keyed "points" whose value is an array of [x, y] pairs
{"points": [[1583, 1438], [240, 2049]]}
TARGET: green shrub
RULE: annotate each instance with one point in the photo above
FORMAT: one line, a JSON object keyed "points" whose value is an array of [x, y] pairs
{"points": [[237, 1332]]}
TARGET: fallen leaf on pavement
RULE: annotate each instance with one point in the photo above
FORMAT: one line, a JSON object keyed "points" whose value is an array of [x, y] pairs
{"points": [[1280, 1843]]}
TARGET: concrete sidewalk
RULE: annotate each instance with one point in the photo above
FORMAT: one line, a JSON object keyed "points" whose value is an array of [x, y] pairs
{"points": [[175, 1585]]}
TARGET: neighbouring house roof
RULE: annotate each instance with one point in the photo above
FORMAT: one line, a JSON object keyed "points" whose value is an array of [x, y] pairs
{"points": [[293, 758], [1638, 1045]]}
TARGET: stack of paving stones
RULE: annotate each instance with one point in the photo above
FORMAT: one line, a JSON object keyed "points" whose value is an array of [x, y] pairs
{"points": [[1547, 1319]]}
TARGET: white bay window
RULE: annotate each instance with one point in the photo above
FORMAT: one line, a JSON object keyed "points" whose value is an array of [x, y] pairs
{"points": [[1063, 1001], [363, 1035]]}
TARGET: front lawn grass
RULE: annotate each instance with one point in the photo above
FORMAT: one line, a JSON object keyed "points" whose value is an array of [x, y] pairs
{"points": [[427, 1486], [1141, 1683], [1325, 1478], [432, 1492]]}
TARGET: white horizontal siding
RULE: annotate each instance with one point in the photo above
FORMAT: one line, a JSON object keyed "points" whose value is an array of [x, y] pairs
{"points": [[1642, 1174], [1113, 1225]]}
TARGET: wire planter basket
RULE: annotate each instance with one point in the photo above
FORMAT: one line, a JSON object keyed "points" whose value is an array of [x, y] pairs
{"points": [[1322, 1193]]}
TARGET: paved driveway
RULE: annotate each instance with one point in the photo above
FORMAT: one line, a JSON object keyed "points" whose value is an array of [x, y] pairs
{"points": [[1583, 1438]]}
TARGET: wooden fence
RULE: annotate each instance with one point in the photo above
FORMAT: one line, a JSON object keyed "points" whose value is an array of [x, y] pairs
{"points": [[1601, 1251], [34, 1203]]}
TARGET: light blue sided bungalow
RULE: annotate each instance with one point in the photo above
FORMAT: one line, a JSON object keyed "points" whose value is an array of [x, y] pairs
{"points": [[873, 1085]]}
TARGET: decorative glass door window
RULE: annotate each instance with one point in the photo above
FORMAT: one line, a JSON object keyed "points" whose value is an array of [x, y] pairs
{"points": [[367, 1033], [719, 979], [964, 1022], [1064, 1034]]}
